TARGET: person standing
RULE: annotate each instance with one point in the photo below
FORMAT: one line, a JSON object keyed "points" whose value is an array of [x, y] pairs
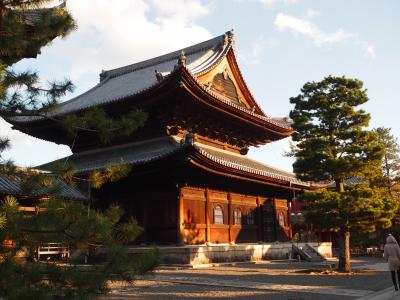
{"points": [[391, 253]]}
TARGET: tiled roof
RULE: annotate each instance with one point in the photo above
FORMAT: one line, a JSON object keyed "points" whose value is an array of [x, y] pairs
{"points": [[134, 79], [148, 151], [243, 163], [349, 181], [11, 185], [132, 154]]}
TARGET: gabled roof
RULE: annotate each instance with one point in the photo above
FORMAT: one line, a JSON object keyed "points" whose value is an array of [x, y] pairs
{"points": [[121, 83], [149, 151]]}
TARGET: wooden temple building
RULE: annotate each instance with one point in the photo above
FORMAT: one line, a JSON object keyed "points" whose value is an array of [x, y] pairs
{"points": [[191, 181]]}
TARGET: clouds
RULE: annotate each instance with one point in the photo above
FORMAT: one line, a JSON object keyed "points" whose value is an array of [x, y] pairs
{"points": [[307, 28], [369, 50], [257, 48], [273, 2], [133, 30]]}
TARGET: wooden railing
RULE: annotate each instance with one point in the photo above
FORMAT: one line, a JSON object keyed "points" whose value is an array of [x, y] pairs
{"points": [[53, 249]]}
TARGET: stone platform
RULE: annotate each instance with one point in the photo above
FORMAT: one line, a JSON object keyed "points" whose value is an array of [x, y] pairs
{"points": [[219, 253]]}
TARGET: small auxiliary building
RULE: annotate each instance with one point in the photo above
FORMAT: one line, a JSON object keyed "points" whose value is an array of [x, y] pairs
{"points": [[191, 181]]}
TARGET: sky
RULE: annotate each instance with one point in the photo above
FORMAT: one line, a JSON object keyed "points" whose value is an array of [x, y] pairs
{"points": [[280, 44]]}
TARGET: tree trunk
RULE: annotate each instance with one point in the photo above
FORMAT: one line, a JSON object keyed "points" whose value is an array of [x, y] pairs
{"points": [[344, 250], [344, 238]]}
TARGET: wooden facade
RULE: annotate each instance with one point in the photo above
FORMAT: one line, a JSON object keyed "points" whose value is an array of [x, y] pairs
{"points": [[191, 181]]}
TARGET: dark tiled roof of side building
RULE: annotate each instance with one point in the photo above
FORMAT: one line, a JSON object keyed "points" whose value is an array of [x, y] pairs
{"points": [[11, 185]]}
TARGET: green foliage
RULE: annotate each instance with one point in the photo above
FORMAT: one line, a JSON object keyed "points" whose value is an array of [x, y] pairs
{"points": [[25, 28], [360, 207], [108, 128], [331, 141], [94, 233], [24, 95], [389, 178], [332, 144], [111, 173]]}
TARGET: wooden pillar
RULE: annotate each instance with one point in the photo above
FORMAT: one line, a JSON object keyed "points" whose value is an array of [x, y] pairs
{"points": [[230, 219], [180, 218], [260, 221], [289, 222], [207, 215], [145, 222]]}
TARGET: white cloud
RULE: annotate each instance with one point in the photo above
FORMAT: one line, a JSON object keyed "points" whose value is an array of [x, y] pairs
{"points": [[270, 3], [110, 36], [305, 27], [257, 48], [312, 13], [369, 50], [273, 2]]}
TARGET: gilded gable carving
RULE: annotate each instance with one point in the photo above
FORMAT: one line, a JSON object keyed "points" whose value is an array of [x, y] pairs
{"points": [[222, 84]]}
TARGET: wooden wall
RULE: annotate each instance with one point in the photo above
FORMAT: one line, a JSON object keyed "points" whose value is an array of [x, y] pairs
{"points": [[196, 216]]}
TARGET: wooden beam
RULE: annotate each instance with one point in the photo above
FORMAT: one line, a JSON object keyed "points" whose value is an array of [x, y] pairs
{"points": [[180, 225], [207, 214], [230, 218], [145, 215], [259, 220]]}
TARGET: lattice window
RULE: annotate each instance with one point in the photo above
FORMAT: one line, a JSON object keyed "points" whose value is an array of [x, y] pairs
{"points": [[250, 217], [218, 215], [281, 219], [237, 216]]}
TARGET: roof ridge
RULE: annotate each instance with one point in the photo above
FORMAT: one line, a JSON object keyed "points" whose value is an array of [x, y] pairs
{"points": [[107, 75], [163, 58]]}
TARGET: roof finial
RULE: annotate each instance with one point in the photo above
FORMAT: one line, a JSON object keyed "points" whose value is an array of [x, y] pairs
{"points": [[63, 5], [103, 75], [182, 59], [159, 75], [229, 37]]}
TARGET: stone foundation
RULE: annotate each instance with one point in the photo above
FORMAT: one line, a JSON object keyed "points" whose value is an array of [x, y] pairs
{"points": [[217, 253]]}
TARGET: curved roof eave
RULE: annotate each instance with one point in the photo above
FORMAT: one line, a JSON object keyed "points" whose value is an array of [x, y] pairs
{"points": [[201, 58], [284, 128], [136, 79]]}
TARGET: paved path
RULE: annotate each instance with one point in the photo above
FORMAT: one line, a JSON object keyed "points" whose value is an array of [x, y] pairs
{"points": [[330, 290], [386, 294], [267, 280]]}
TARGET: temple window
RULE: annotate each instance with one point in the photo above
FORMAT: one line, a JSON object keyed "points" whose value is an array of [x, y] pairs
{"points": [[218, 215], [250, 218], [237, 217], [281, 219]]}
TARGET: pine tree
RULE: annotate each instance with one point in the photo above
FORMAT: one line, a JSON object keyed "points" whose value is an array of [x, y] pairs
{"points": [[332, 144], [25, 27], [390, 175]]}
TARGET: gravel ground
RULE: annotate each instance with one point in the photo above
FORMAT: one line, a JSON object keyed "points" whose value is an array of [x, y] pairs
{"points": [[194, 285], [161, 290]]}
